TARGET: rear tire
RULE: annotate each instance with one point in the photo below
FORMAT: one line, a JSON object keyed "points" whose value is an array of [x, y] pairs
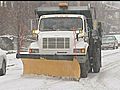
{"points": [[116, 47], [96, 67], [3, 69], [96, 61]]}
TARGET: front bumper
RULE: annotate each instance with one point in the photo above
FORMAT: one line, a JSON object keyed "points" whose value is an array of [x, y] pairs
{"points": [[80, 58]]}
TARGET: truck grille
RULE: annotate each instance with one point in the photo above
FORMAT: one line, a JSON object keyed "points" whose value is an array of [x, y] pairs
{"points": [[53, 43]]}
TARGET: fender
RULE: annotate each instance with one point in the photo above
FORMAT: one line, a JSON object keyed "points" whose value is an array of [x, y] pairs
{"points": [[33, 45], [83, 56]]}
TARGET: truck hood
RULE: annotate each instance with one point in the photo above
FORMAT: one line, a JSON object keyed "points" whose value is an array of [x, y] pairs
{"points": [[56, 34]]}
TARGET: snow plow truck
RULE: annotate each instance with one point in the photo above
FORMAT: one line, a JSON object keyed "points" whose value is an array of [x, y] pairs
{"points": [[68, 43]]}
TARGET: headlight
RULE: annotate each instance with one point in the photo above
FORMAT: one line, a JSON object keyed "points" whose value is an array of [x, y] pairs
{"points": [[81, 50], [31, 50]]}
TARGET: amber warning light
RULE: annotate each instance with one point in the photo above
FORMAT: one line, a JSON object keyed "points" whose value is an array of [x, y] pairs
{"points": [[63, 5]]}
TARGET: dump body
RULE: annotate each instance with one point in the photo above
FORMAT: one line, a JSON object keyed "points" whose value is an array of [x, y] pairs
{"points": [[80, 10]]}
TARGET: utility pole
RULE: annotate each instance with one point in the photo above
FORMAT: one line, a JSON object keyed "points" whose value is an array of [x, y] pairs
{"points": [[19, 26], [12, 2], [3, 3], [78, 3], [31, 24]]}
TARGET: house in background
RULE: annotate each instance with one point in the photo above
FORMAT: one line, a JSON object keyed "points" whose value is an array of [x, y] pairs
{"points": [[8, 42]]}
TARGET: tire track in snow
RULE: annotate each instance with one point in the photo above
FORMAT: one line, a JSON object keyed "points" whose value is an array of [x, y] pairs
{"points": [[104, 56], [111, 64], [48, 82], [96, 80], [108, 69]]}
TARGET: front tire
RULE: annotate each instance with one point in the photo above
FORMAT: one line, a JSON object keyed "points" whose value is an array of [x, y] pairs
{"points": [[85, 68], [97, 61], [113, 47], [3, 69]]}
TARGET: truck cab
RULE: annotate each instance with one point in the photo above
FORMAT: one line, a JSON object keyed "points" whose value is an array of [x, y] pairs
{"points": [[61, 33]]}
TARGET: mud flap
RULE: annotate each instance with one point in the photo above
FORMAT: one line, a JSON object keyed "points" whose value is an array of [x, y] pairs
{"points": [[58, 68]]}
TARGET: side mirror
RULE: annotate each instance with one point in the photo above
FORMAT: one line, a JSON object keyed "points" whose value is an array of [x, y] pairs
{"points": [[35, 31], [34, 25], [80, 32], [35, 34]]}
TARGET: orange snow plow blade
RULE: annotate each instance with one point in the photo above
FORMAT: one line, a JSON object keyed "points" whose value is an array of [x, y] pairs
{"points": [[58, 68]]}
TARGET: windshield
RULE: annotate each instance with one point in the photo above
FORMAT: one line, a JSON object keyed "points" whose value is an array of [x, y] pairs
{"points": [[108, 39], [60, 23]]}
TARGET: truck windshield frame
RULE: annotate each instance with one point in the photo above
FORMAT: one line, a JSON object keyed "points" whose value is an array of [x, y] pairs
{"points": [[61, 24]]}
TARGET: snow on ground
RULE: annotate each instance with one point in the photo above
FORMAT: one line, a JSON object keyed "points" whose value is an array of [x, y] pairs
{"points": [[107, 79]]}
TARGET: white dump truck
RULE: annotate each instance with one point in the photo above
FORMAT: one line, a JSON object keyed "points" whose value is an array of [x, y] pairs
{"points": [[68, 42]]}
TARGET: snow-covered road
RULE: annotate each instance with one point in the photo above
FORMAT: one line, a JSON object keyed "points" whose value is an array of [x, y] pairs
{"points": [[107, 79]]}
